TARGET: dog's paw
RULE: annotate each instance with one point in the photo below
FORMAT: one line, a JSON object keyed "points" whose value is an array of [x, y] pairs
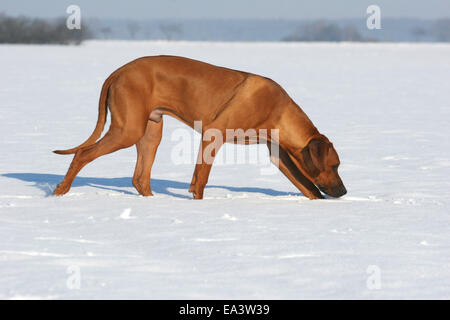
{"points": [[143, 190], [197, 194], [146, 193], [61, 189]]}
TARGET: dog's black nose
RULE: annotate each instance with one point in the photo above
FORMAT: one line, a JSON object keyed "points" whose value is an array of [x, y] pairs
{"points": [[341, 191], [338, 191]]}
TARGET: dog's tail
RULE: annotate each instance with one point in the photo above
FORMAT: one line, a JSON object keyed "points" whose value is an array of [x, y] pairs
{"points": [[102, 113]]}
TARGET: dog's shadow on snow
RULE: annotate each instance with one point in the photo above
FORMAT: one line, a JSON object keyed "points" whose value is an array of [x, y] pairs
{"points": [[47, 182]]}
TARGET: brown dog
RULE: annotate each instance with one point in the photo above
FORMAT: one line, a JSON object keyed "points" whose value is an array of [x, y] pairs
{"points": [[140, 92]]}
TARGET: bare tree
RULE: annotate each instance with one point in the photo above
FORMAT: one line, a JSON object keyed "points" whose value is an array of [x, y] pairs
{"points": [[441, 30], [418, 33], [133, 28], [147, 33], [169, 30], [106, 32]]}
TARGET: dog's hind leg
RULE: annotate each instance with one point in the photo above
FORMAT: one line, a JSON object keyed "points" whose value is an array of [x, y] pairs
{"points": [[288, 168], [128, 124], [146, 151], [114, 140]]}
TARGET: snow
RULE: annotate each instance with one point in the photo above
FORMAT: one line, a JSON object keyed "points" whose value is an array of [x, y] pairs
{"points": [[384, 106]]}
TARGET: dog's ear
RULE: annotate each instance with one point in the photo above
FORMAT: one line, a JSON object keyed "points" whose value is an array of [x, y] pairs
{"points": [[314, 156]]}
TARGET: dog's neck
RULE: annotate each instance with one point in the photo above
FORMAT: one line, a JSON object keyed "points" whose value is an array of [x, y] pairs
{"points": [[296, 129]]}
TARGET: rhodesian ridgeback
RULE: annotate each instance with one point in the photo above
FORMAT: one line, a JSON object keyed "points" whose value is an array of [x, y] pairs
{"points": [[139, 93]]}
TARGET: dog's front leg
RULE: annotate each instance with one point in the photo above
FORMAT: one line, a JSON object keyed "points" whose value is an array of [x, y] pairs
{"points": [[146, 151], [206, 154]]}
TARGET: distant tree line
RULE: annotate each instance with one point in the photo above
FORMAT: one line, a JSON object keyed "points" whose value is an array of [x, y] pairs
{"points": [[41, 31], [168, 31], [441, 30], [322, 30], [325, 31], [34, 30]]}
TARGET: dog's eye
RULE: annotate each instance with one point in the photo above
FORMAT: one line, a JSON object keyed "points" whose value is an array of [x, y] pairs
{"points": [[335, 168]]}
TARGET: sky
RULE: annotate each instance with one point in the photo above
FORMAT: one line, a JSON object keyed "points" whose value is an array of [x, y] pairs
{"points": [[227, 9]]}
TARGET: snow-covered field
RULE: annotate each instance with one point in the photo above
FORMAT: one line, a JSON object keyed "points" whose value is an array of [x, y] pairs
{"points": [[385, 107]]}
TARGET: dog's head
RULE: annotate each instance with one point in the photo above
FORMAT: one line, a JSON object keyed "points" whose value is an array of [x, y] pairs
{"points": [[319, 162]]}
